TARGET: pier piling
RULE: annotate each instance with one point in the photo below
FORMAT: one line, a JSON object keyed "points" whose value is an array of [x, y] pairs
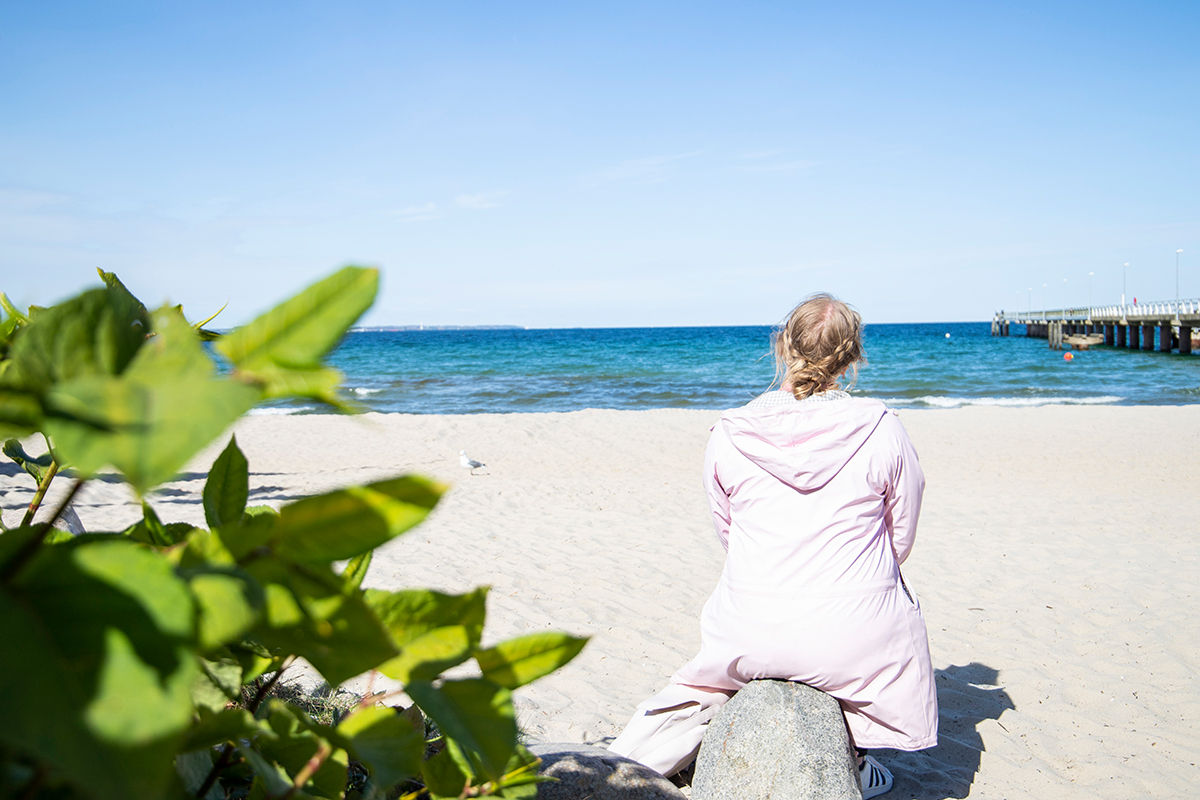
{"points": [[1132, 327], [1148, 336]]}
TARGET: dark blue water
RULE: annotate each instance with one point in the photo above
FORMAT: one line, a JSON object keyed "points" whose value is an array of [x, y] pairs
{"points": [[916, 366]]}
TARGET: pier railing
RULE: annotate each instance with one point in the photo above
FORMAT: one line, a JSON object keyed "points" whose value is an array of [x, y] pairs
{"points": [[1174, 310], [1128, 325]]}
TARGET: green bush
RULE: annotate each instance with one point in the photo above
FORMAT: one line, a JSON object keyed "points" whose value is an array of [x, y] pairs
{"points": [[138, 664]]}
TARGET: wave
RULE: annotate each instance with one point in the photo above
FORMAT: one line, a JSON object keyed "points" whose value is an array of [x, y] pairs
{"points": [[361, 390], [278, 411], [1011, 402]]}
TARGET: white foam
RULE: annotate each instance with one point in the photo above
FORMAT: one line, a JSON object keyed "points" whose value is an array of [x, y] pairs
{"points": [[1010, 402], [362, 390], [276, 411]]}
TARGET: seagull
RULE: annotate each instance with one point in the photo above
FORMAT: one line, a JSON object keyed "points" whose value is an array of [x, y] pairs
{"points": [[469, 463]]}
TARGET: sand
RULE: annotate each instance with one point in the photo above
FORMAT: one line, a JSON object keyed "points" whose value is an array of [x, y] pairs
{"points": [[1056, 562]]}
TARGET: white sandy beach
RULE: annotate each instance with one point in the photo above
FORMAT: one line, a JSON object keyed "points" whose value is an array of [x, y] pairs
{"points": [[1056, 562]]}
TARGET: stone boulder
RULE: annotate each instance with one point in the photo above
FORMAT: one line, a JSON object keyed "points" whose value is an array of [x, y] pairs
{"points": [[775, 740], [594, 773], [69, 521]]}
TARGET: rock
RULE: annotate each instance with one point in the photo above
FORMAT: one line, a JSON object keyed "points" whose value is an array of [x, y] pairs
{"points": [[594, 773], [775, 740], [68, 521]]}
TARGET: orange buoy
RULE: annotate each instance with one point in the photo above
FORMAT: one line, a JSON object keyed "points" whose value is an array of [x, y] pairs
{"points": [[1068, 357]]}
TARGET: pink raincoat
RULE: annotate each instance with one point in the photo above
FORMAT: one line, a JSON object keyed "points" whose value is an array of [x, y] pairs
{"points": [[817, 505]]}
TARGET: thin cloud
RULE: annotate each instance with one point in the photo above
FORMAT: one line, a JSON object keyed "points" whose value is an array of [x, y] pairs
{"points": [[18, 200], [656, 169], [759, 154], [479, 201], [779, 166], [418, 213]]}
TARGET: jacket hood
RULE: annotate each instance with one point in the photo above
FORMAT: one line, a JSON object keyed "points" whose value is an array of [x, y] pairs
{"points": [[803, 445]]}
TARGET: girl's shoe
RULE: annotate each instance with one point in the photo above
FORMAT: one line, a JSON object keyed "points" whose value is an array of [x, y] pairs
{"points": [[874, 777]]}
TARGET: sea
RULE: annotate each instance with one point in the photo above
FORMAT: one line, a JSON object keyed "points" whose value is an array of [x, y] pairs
{"points": [[918, 366]]}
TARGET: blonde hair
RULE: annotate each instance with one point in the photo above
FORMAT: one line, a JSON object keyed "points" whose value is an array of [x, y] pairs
{"points": [[816, 344]]}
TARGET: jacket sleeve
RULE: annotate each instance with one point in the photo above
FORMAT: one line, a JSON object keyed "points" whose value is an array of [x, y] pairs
{"points": [[905, 488], [718, 498]]}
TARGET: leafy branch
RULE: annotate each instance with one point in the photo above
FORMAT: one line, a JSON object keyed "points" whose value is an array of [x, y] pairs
{"points": [[43, 486], [153, 635]]}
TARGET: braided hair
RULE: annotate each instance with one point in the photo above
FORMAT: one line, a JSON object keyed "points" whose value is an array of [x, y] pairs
{"points": [[819, 341]]}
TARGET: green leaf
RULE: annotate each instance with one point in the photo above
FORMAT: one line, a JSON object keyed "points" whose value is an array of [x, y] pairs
{"points": [[95, 333], [35, 466], [274, 779], [13, 542], [149, 421], [309, 615], [282, 349], [255, 530], [443, 776], [227, 487], [212, 729], [199, 326], [386, 742], [192, 769], [291, 742], [12, 310], [20, 409], [356, 570], [430, 654], [218, 684], [410, 613], [303, 329], [203, 548], [113, 282], [521, 775], [131, 704], [150, 530], [258, 511], [519, 661], [154, 527], [475, 713], [345, 523], [433, 631], [105, 623], [318, 383], [255, 659], [228, 603]]}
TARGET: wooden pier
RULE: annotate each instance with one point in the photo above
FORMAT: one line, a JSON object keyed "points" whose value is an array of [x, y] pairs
{"points": [[1163, 326]]}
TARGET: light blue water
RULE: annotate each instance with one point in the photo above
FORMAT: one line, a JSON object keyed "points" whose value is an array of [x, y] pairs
{"points": [[917, 366]]}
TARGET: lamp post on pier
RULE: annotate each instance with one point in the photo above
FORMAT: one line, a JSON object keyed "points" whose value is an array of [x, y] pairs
{"points": [[1090, 274], [1177, 252], [1064, 296], [1029, 302], [1043, 301], [1124, 269]]}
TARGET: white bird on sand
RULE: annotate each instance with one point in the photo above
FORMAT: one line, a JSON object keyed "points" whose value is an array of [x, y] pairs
{"points": [[468, 462]]}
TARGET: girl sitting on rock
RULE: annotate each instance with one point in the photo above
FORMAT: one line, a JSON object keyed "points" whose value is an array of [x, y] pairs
{"points": [[815, 496]]}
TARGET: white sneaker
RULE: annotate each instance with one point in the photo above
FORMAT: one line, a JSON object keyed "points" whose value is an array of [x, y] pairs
{"points": [[875, 778]]}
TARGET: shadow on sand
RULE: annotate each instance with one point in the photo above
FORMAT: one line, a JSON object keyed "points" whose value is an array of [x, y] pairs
{"points": [[967, 695]]}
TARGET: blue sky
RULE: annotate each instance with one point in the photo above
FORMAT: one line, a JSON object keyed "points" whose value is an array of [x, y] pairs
{"points": [[616, 164]]}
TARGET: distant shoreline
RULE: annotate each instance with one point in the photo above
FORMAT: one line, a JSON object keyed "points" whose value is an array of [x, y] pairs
{"points": [[397, 328]]}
